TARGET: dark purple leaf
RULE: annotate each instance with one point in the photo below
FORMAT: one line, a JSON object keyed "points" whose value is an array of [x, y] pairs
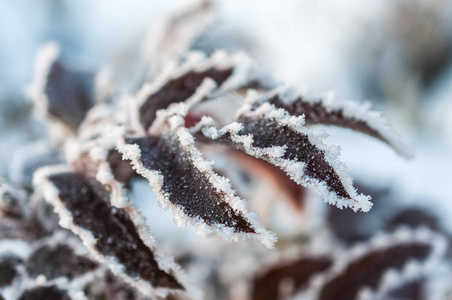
{"points": [[114, 235], [112, 287], [266, 286], [45, 293], [226, 71], [56, 261], [8, 269], [327, 111], [121, 169], [59, 92], [414, 290], [273, 135], [177, 90], [414, 217], [349, 115], [368, 270], [182, 178], [353, 272]]}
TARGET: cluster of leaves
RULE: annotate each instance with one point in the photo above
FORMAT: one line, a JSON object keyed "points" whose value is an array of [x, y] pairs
{"points": [[110, 138], [368, 260]]}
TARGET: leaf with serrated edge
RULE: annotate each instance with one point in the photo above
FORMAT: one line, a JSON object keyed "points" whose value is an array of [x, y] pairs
{"points": [[267, 284], [92, 159], [77, 200], [366, 265], [183, 179], [327, 110], [283, 140], [414, 281], [179, 84]]}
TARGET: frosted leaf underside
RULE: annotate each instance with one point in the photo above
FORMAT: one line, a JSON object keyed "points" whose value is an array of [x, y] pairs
{"points": [[187, 187], [178, 90], [114, 232]]}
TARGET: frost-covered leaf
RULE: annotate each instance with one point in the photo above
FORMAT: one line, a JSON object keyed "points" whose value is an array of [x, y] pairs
{"points": [[108, 163], [330, 111], [12, 201], [58, 257], [112, 287], [290, 276], [47, 292], [414, 217], [99, 159], [414, 290], [121, 169], [26, 228], [175, 34], [282, 140], [350, 227], [368, 270], [115, 236], [23, 217], [430, 280], [8, 269], [183, 179], [295, 193], [365, 266], [13, 253], [182, 83], [59, 92], [93, 153]]}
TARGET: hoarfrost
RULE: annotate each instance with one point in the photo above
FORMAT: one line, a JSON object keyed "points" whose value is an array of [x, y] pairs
{"points": [[281, 139], [59, 93], [116, 237], [327, 110], [182, 179]]}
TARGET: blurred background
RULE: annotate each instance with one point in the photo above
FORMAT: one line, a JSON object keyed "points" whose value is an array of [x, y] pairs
{"points": [[395, 54]]}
